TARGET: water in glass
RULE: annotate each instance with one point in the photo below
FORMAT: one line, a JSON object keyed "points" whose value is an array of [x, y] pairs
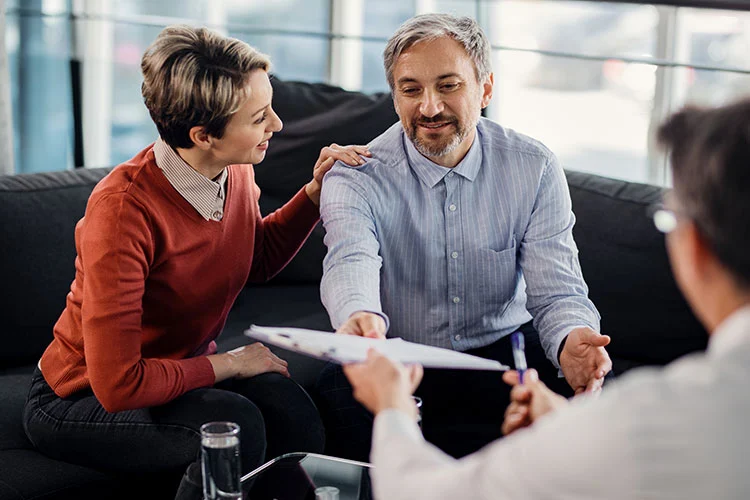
{"points": [[221, 466]]}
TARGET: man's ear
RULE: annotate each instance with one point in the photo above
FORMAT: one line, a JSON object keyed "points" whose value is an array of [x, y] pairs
{"points": [[487, 86], [701, 255], [200, 138]]}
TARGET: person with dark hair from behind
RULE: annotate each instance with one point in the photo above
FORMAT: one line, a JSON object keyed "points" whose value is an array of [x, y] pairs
{"points": [[168, 241], [677, 432]]}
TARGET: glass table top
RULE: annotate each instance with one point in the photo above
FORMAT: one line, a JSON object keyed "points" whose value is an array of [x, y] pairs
{"points": [[296, 476]]}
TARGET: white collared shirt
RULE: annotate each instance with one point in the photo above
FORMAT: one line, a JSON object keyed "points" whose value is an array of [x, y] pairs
{"points": [[680, 432], [203, 194]]}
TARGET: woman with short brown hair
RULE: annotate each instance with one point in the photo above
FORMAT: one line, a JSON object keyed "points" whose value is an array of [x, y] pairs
{"points": [[168, 241]]}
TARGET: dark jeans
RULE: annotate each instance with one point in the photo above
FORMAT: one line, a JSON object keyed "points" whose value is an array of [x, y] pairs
{"points": [[462, 410], [275, 415]]}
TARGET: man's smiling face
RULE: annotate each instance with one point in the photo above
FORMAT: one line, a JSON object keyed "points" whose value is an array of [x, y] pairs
{"points": [[438, 98]]}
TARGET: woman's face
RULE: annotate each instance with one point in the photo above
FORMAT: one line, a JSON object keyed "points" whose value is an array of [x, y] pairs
{"points": [[247, 133]]}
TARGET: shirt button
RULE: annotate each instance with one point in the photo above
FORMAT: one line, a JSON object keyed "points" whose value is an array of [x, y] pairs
{"points": [[217, 215], [452, 208], [456, 300], [457, 337], [454, 255], [450, 174]]}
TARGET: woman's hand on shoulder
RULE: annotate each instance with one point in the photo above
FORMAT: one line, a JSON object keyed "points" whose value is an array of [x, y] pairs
{"points": [[247, 361], [350, 155]]}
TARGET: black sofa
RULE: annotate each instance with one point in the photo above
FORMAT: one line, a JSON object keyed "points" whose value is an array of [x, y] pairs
{"points": [[622, 255]]}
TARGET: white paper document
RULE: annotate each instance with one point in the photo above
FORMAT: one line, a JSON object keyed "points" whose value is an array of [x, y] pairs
{"points": [[350, 349]]}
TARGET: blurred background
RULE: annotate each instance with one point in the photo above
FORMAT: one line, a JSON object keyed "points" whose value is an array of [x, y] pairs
{"points": [[589, 79]]}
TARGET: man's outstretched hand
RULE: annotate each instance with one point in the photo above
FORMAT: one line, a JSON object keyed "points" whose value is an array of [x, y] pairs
{"points": [[584, 361], [364, 324]]}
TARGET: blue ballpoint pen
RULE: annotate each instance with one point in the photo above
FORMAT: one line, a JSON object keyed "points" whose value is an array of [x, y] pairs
{"points": [[519, 356]]}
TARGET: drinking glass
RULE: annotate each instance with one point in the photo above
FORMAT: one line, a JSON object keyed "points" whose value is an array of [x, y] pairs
{"points": [[220, 460]]}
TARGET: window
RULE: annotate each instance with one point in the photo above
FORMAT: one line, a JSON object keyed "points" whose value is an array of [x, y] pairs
{"points": [[713, 39], [38, 43], [293, 32], [568, 87], [589, 79], [380, 20]]}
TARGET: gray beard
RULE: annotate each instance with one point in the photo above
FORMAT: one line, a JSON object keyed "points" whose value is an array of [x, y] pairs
{"points": [[436, 150], [432, 151]]}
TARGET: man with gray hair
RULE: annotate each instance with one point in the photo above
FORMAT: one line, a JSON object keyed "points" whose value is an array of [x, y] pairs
{"points": [[456, 233], [678, 432]]}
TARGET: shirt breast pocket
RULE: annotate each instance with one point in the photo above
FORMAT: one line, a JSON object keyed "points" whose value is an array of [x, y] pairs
{"points": [[494, 275]]}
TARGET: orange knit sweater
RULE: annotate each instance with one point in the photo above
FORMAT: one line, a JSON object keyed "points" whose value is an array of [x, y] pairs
{"points": [[155, 282]]}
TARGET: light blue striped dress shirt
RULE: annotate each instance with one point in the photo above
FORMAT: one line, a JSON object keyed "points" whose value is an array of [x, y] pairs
{"points": [[456, 258]]}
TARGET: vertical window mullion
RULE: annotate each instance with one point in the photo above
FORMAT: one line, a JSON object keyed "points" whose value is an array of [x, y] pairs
{"points": [[94, 44], [663, 105], [7, 129], [347, 17], [424, 6]]}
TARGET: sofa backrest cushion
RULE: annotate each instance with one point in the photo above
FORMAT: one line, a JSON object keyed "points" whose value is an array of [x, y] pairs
{"points": [[314, 115], [38, 213], [624, 262]]}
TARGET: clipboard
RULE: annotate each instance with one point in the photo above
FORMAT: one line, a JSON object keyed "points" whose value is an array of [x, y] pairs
{"points": [[343, 349]]}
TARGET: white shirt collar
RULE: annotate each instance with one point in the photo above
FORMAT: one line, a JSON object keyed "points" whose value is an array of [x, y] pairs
{"points": [[203, 194], [731, 333]]}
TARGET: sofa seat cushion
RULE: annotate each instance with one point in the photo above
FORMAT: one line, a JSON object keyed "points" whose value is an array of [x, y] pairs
{"points": [[13, 391], [26, 473]]}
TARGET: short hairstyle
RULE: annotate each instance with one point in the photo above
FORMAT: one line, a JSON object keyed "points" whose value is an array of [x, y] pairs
{"points": [[195, 77], [427, 27], [710, 158]]}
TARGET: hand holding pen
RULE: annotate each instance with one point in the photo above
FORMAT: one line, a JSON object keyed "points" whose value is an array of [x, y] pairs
{"points": [[529, 398]]}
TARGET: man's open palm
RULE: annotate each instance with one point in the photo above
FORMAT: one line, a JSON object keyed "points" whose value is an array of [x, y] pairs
{"points": [[584, 361]]}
